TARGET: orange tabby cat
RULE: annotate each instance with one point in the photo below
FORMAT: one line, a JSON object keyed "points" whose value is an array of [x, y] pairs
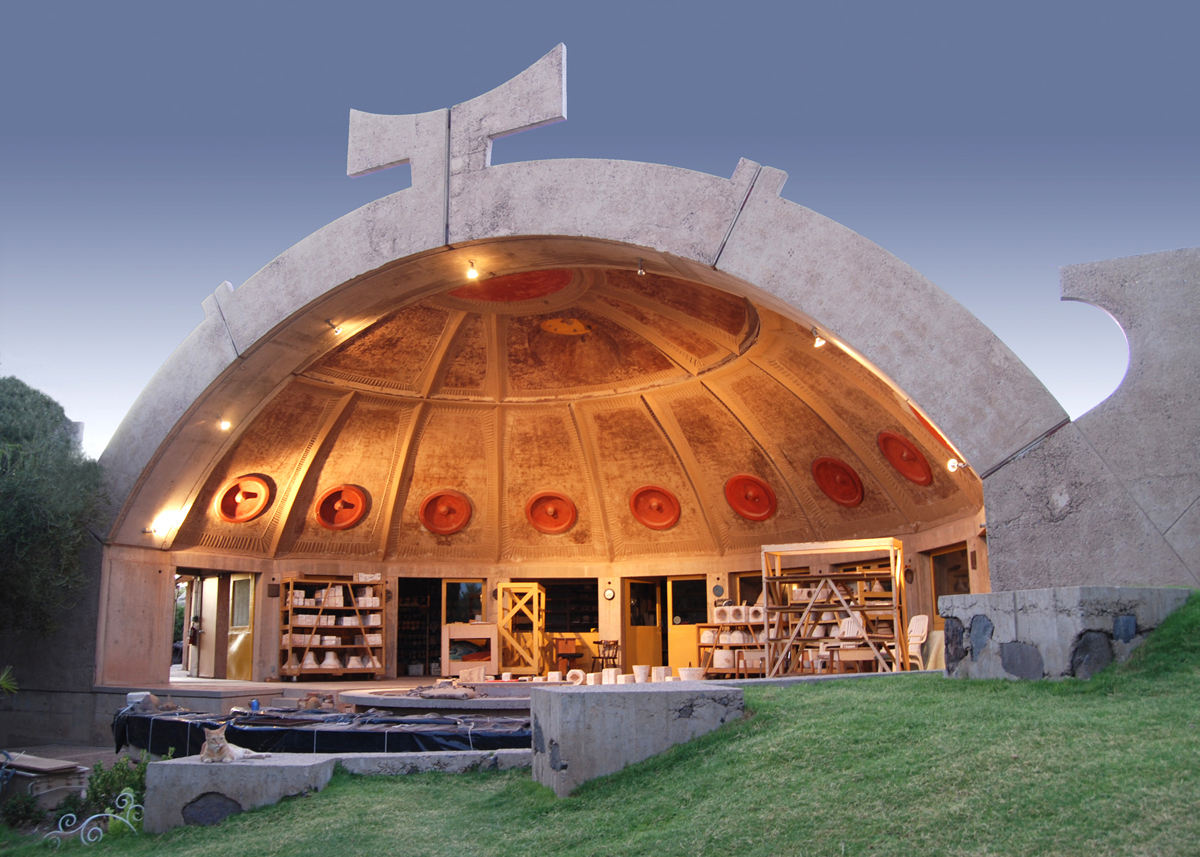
{"points": [[217, 749]]}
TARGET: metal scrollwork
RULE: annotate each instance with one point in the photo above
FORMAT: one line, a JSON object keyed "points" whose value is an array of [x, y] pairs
{"points": [[92, 830]]}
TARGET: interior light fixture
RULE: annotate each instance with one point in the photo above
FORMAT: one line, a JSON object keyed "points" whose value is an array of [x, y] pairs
{"points": [[336, 328], [226, 425], [641, 269], [817, 340], [471, 272]]}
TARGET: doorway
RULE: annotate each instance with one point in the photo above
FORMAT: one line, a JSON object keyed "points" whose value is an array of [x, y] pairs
{"points": [[226, 609], [645, 602], [418, 626], [687, 607], [950, 576]]}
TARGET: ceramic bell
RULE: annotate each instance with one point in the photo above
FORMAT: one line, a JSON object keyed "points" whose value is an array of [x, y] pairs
{"points": [[331, 662], [354, 662], [310, 662]]}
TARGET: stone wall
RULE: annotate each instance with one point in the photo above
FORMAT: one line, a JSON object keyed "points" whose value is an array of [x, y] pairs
{"points": [[1050, 633]]}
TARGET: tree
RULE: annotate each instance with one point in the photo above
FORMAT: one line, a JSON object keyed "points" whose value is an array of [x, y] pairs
{"points": [[49, 493]]}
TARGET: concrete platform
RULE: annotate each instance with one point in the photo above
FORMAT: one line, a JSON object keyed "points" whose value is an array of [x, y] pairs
{"points": [[580, 733], [188, 791]]}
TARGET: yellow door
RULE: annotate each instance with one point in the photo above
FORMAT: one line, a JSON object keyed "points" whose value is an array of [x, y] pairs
{"points": [[240, 663], [643, 624], [687, 607]]}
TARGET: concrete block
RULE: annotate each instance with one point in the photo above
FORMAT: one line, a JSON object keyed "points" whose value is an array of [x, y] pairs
{"points": [[183, 789], [188, 791], [1072, 630], [1058, 515], [580, 734]]}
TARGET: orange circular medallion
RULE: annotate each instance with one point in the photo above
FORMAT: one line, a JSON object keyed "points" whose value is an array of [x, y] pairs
{"points": [[905, 457], [445, 512], [550, 512], [839, 481], [750, 497], [654, 507], [341, 507], [243, 499]]}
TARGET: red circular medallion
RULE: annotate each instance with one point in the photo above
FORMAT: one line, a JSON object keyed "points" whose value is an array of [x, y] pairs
{"points": [[839, 481], [750, 497], [905, 457], [341, 507], [445, 512], [243, 499], [655, 507], [550, 512], [515, 287]]}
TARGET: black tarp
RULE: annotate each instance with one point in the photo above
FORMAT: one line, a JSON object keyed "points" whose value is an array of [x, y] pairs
{"points": [[279, 731]]}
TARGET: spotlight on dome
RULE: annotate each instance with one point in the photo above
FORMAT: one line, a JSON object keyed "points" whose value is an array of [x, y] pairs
{"points": [[471, 272], [818, 341]]}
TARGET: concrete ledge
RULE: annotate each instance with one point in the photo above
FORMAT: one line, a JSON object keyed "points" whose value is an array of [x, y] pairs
{"points": [[581, 733], [188, 791], [1050, 633]]}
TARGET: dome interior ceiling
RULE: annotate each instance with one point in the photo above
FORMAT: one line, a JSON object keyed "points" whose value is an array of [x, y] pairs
{"points": [[591, 383]]}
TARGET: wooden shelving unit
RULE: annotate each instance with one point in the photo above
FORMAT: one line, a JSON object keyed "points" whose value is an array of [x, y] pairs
{"points": [[322, 615], [718, 665], [801, 606]]}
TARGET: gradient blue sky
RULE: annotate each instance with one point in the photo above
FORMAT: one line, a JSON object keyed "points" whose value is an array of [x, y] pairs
{"points": [[149, 151]]}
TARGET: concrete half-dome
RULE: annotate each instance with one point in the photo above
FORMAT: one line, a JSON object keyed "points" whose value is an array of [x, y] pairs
{"points": [[589, 382]]}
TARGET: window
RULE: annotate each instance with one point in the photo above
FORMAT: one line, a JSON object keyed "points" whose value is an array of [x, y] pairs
{"points": [[462, 601], [643, 603], [748, 588], [689, 604], [572, 607], [239, 604]]}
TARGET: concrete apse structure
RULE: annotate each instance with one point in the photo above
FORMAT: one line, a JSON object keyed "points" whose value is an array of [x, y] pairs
{"points": [[635, 334]]}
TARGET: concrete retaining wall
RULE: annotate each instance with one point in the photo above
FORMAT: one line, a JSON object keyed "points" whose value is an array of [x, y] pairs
{"points": [[581, 733], [188, 791], [1050, 633]]}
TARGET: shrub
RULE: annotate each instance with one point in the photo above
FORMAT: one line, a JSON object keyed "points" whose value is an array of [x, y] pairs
{"points": [[104, 786], [72, 804], [22, 810]]}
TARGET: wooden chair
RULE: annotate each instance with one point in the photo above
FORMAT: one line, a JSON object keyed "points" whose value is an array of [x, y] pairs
{"points": [[565, 655], [607, 656]]}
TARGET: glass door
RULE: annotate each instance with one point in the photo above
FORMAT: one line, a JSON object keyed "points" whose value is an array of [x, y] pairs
{"points": [[687, 607]]}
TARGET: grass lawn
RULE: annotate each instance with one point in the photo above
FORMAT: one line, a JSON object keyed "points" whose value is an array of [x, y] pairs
{"points": [[916, 765]]}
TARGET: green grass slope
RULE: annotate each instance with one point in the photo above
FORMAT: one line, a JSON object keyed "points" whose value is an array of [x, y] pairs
{"points": [[916, 765]]}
